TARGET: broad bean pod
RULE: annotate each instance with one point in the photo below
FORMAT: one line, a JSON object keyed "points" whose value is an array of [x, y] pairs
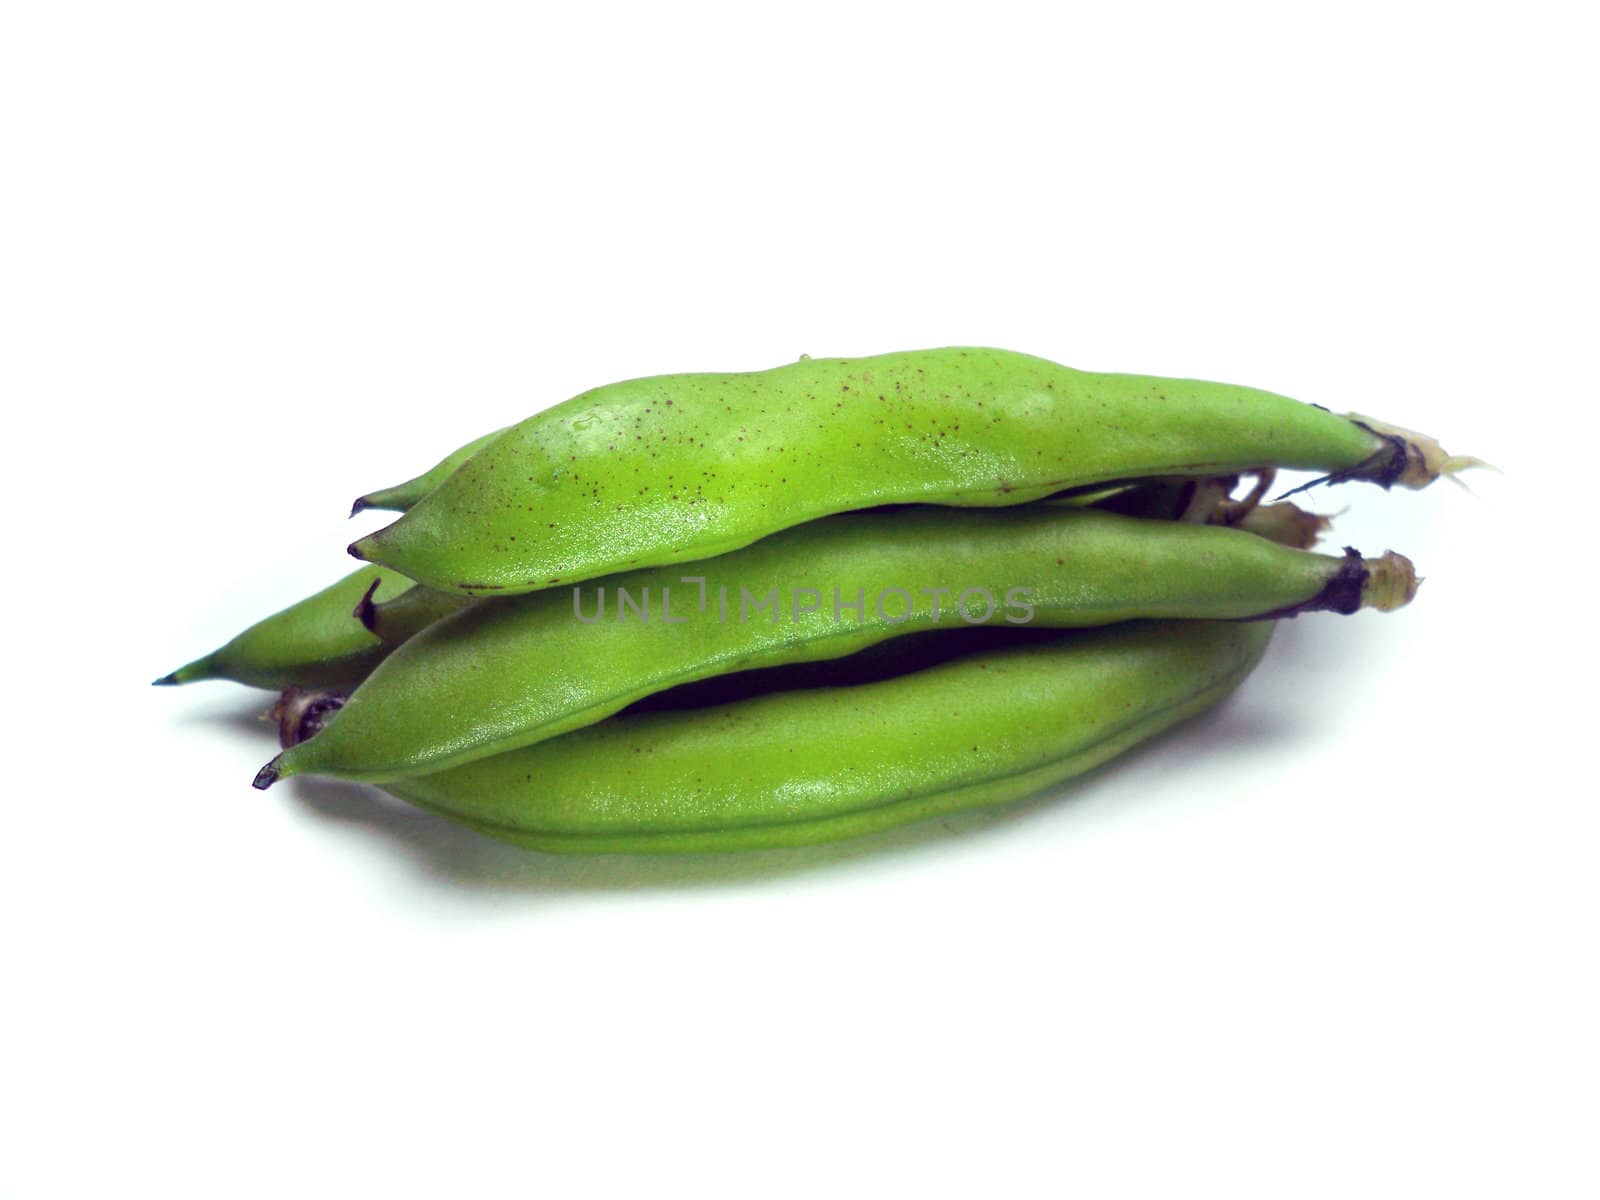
{"points": [[506, 673], [794, 768], [682, 467], [403, 496], [315, 642]]}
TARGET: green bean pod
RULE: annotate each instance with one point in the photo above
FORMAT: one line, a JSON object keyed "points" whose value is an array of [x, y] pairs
{"points": [[403, 496], [317, 642], [794, 768], [331, 638], [681, 467], [505, 673], [406, 614]]}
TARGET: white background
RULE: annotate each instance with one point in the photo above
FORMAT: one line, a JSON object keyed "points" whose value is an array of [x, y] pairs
{"points": [[1335, 939]]}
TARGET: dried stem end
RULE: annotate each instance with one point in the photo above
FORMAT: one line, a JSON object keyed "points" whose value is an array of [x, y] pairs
{"points": [[1285, 523], [1391, 582], [1417, 459], [301, 714]]}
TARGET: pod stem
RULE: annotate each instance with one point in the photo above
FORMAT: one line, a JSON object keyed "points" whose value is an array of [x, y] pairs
{"points": [[1409, 458], [1391, 582], [1235, 511], [1206, 496], [1285, 523], [1424, 459], [301, 713], [1385, 583]]}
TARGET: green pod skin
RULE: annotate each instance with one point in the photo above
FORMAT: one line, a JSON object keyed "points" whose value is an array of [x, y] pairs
{"points": [[402, 496], [506, 673], [682, 467], [795, 768], [317, 642]]}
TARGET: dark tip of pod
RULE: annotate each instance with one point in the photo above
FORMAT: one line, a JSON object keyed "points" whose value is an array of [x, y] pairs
{"points": [[1383, 467], [354, 551], [366, 610], [1340, 593], [166, 681], [361, 505], [266, 777]]}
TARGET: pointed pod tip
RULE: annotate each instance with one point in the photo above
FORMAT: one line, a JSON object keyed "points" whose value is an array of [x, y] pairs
{"points": [[266, 777], [354, 550], [200, 668], [361, 505], [366, 611]]}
